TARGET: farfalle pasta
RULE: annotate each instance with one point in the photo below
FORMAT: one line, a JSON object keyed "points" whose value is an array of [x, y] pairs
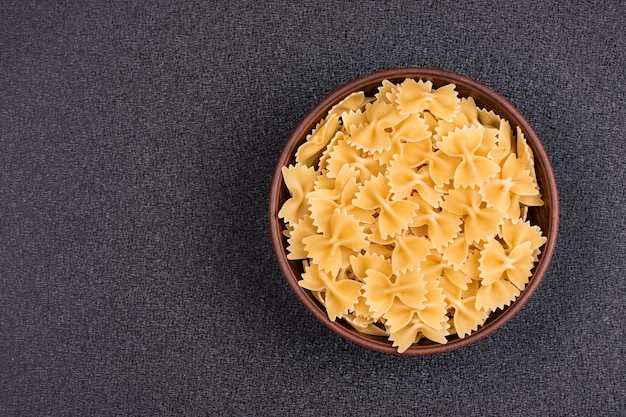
{"points": [[409, 211]]}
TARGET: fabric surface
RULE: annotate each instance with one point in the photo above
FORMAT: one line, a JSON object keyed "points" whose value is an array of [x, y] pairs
{"points": [[137, 145]]}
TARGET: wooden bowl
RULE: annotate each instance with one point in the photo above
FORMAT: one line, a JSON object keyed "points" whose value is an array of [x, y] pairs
{"points": [[546, 216]]}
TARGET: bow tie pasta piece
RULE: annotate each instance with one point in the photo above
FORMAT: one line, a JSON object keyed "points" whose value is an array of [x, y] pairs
{"points": [[412, 333], [410, 141], [408, 252], [466, 318], [332, 193], [403, 180], [480, 222], [522, 182], [407, 325], [393, 216], [408, 249], [334, 188], [515, 233], [340, 295], [443, 226], [434, 311], [343, 237], [299, 179], [513, 179], [435, 268], [417, 96], [382, 291], [345, 154], [465, 142], [440, 165], [373, 136], [497, 263], [317, 141], [398, 316]]}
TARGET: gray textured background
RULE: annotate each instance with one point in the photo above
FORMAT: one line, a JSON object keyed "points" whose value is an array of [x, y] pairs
{"points": [[137, 144]]}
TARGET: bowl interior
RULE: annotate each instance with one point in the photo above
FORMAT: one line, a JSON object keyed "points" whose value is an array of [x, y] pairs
{"points": [[546, 216]]}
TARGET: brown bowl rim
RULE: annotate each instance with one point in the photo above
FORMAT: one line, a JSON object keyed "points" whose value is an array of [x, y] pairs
{"points": [[318, 111]]}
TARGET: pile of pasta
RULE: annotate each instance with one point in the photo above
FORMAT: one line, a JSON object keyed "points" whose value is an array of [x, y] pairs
{"points": [[409, 212]]}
